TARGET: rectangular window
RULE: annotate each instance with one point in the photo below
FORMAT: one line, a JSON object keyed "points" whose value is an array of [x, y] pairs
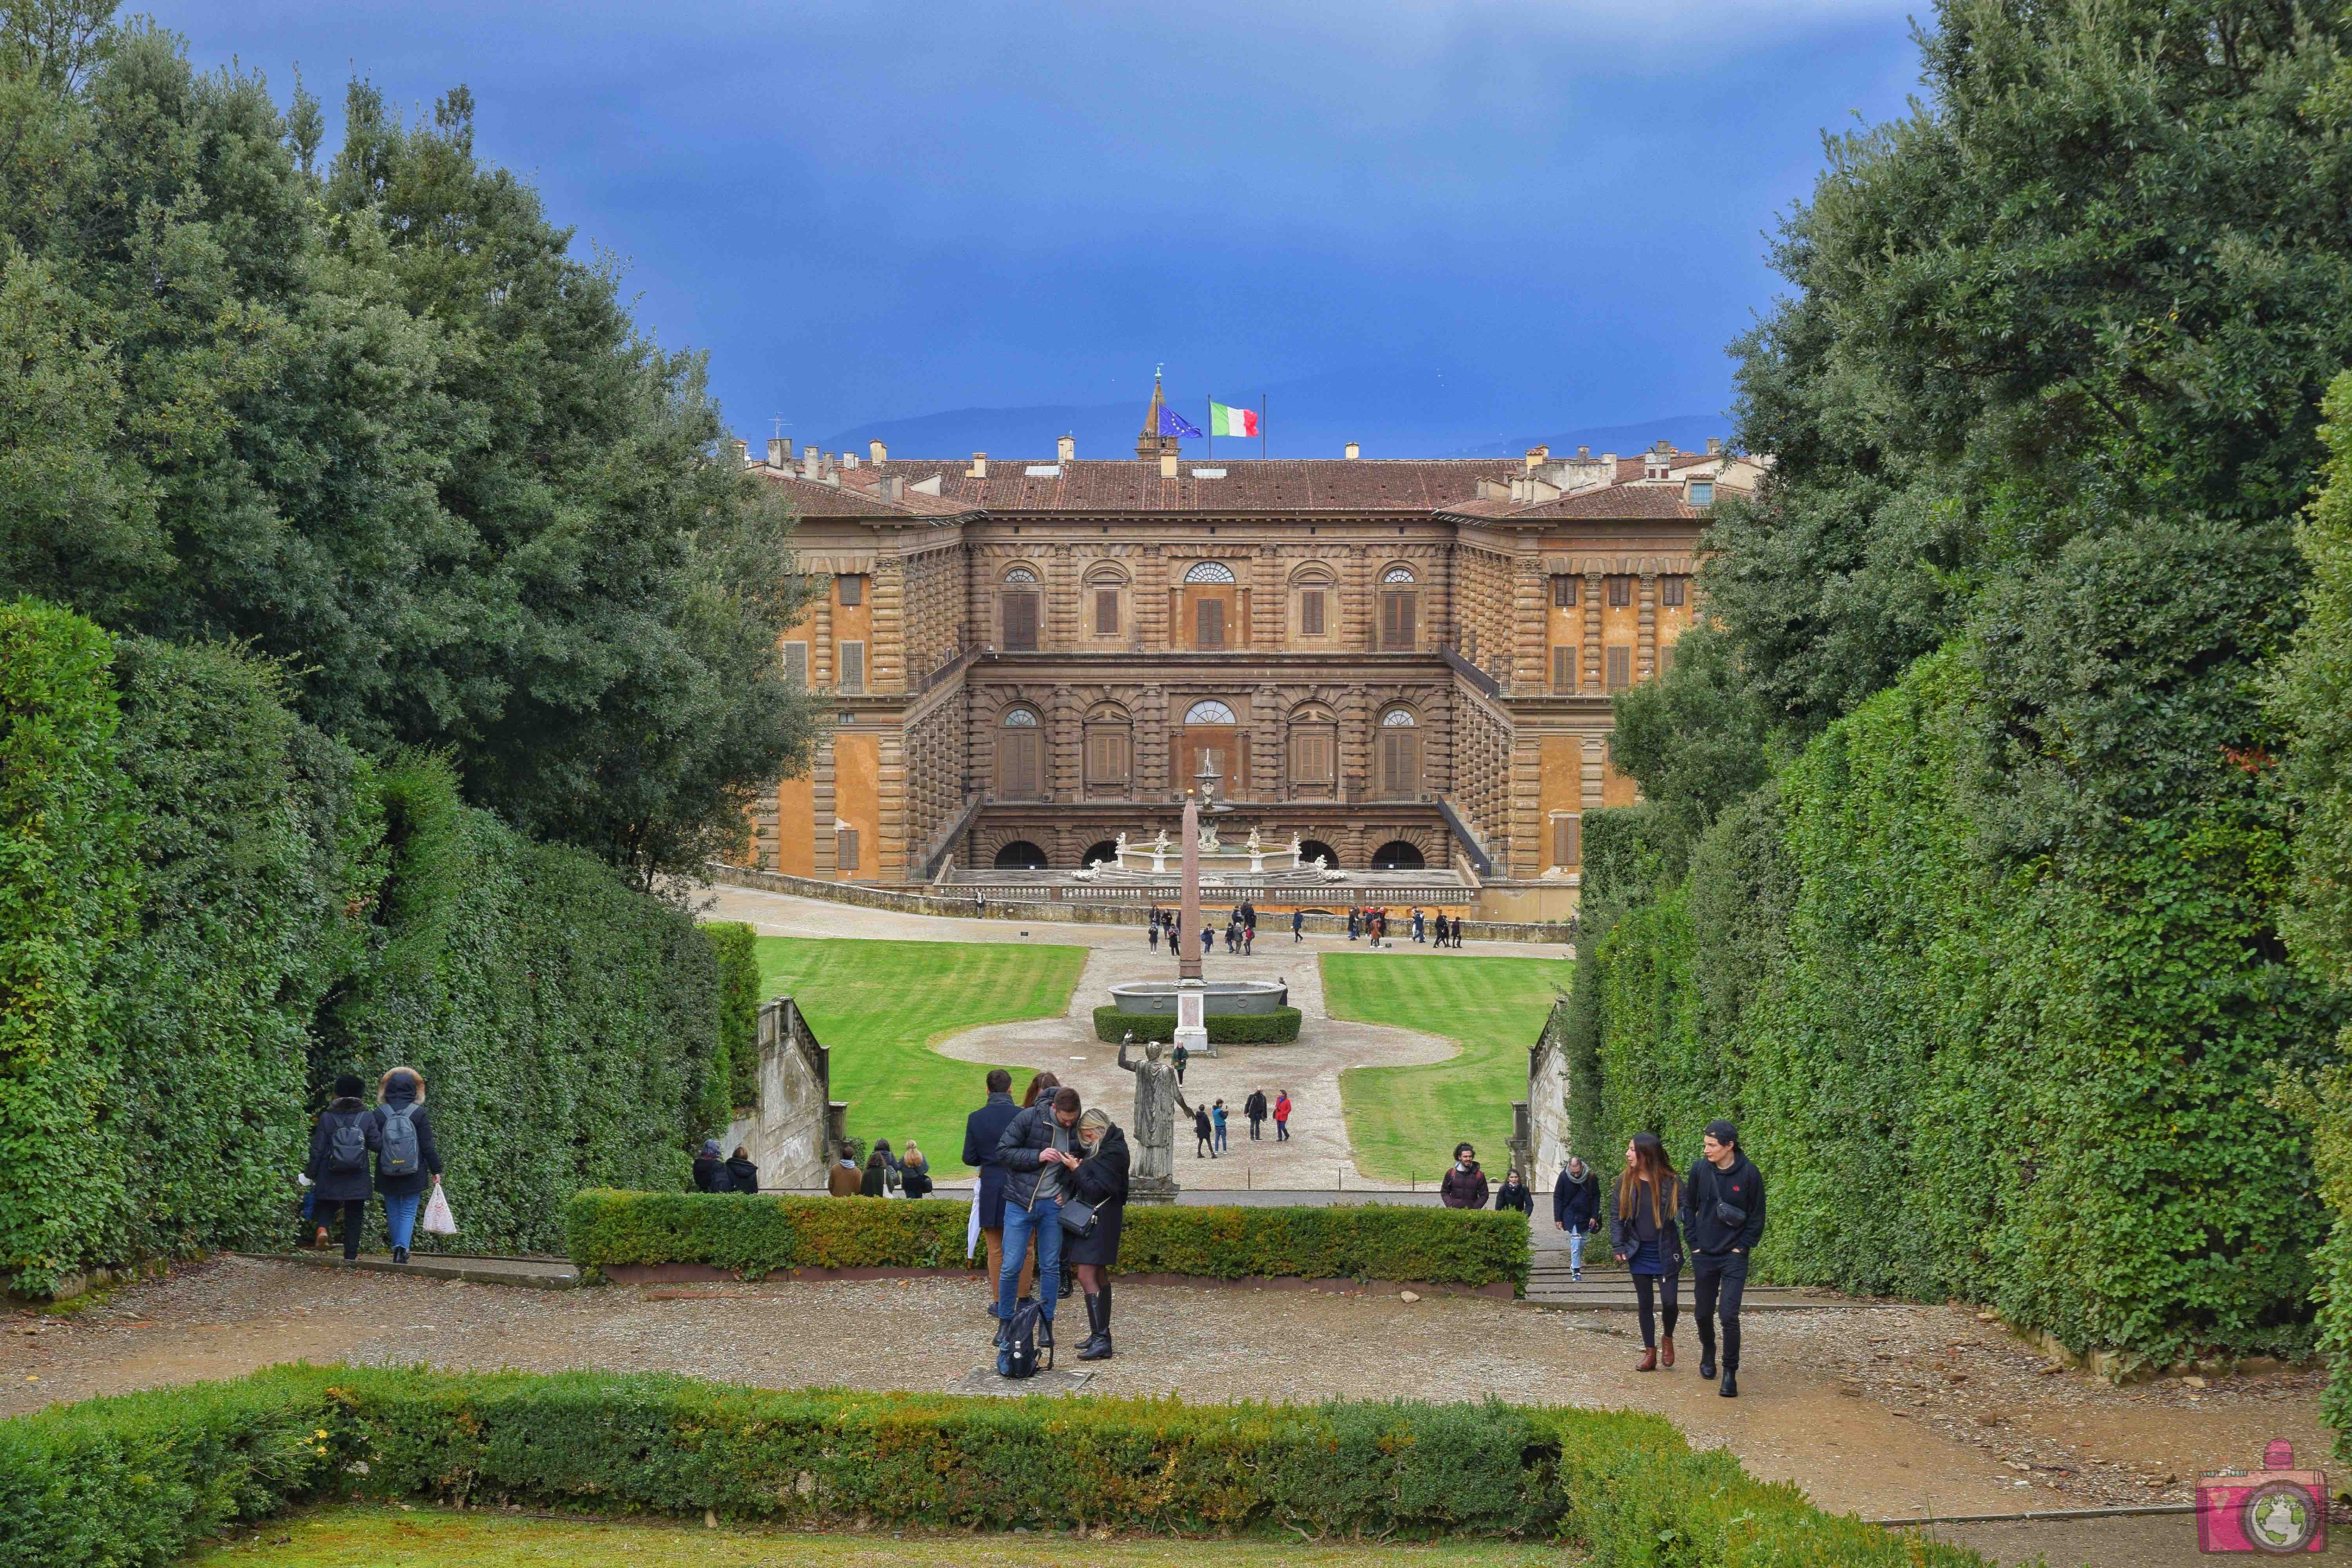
{"points": [[1209, 623], [1620, 667], [1310, 613], [1020, 623], [1563, 593], [1621, 592], [1106, 757], [796, 665], [852, 590], [1398, 620], [1566, 840], [1670, 590], [845, 849], [853, 667], [1106, 611], [1563, 670], [1314, 757]]}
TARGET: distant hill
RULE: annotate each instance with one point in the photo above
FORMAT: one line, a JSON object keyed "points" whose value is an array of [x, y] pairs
{"points": [[1392, 411]]}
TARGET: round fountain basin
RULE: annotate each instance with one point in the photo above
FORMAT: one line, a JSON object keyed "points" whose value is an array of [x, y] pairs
{"points": [[1224, 996]]}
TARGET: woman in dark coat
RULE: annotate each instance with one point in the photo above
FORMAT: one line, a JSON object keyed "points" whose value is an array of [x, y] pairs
{"points": [[1205, 1132], [709, 1169], [402, 1094], [876, 1183], [1100, 1182], [1514, 1195], [742, 1176], [1648, 1240], [339, 1176]]}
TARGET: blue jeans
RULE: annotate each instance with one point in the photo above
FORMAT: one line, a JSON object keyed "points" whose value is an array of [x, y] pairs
{"points": [[1575, 1249], [400, 1213], [1221, 1136], [1044, 1221]]}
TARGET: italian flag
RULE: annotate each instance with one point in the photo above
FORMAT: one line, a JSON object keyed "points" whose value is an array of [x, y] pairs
{"points": [[1225, 421]]}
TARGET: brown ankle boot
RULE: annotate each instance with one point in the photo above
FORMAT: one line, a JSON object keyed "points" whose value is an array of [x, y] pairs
{"points": [[1649, 1361], [1666, 1350]]}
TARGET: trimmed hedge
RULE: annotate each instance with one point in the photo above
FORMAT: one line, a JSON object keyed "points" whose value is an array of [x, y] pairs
{"points": [[738, 947], [759, 1235], [141, 1479], [1279, 1027]]}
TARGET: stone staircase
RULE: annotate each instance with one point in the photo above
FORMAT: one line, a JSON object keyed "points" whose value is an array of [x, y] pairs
{"points": [[1606, 1286]]}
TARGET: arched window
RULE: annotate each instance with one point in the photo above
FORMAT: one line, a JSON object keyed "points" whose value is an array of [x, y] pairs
{"points": [[1314, 752], [1213, 737], [1400, 609], [1311, 584], [1209, 712], [1400, 756], [1021, 755], [1021, 856], [1020, 574], [1209, 572], [1397, 855], [1110, 753], [1106, 585]]}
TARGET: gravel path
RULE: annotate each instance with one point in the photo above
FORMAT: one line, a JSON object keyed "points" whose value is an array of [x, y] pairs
{"points": [[1892, 1436]]}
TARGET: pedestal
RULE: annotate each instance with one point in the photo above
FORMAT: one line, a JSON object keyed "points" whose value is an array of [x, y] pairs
{"points": [[1153, 1189], [1192, 1019]]}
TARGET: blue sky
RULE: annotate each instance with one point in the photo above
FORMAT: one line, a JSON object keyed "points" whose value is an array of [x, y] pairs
{"points": [[1445, 222]]}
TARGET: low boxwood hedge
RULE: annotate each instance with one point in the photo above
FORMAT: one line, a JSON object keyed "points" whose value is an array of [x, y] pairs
{"points": [[1279, 1027], [140, 1479], [759, 1235]]}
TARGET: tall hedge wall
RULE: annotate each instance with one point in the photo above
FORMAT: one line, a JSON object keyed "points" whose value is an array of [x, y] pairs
{"points": [[738, 949], [2036, 1079], [566, 1025]]}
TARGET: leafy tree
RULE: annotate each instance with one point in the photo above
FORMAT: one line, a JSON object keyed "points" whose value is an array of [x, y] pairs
{"points": [[1693, 739], [377, 421]]}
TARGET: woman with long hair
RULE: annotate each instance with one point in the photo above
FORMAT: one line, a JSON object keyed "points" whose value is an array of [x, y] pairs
{"points": [[1648, 1240], [1101, 1181], [1044, 1083]]}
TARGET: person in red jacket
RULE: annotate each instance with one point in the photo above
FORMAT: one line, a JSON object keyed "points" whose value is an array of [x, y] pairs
{"points": [[1282, 1116]]}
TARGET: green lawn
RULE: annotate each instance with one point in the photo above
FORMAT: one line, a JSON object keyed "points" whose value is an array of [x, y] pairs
{"points": [[880, 1006], [438, 1538], [1404, 1122]]}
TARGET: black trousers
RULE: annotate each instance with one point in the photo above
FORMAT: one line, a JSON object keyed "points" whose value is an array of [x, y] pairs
{"points": [[1716, 1286], [1667, 1287], [354, 1217], [1255, 1122]]}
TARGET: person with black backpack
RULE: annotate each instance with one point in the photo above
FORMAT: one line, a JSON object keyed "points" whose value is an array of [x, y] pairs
{"points": [[341, 1141], [407, 1161]]}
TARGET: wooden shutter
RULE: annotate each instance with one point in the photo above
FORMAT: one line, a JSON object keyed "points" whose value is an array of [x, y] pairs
{"points": [[796, 664], [1021, 622], [1106, 611], [852, 590], [1310, 613], [1399, 776], [845, 849], [1670, 591], [1022, 762], [1314, 756], [1107, 751], [1621, 591], [1563, 593], [853, 667], [1209, 623], [1397, 620], [1566, 840], [1620, 667], [1563, 669], [1665, 659]]}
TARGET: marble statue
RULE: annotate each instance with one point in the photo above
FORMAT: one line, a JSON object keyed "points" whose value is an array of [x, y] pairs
{"points": [[1209, 838], [1122, 845], [1254, 846], [1094, 869], [1319, 863], [1160, 842], [1294, 844], [1158, 1098]]}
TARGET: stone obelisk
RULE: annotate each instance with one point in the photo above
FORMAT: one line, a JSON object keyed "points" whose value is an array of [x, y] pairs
{"points": [[1192, 991]]}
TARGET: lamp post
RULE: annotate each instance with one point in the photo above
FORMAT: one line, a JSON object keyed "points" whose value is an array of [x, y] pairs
{"points": [[1192, 991]]}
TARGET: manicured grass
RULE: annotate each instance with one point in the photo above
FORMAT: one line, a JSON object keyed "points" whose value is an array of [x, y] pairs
{"points": [[880, 1006], [438, 1538], [1404, 1122]]}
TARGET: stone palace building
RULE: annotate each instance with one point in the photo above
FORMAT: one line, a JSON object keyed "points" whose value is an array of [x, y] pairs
{"points": [[1404, 664]]}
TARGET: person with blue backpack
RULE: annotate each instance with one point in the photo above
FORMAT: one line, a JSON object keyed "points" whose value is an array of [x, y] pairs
{"points": [[407, 1161], [341, 1141]]}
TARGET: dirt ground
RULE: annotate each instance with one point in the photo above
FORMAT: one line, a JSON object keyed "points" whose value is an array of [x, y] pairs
{"points": [[1890, 1411]]}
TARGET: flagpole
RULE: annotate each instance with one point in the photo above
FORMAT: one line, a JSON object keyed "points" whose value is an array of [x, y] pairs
{"points": [[1261, 426], [1209, 408]]}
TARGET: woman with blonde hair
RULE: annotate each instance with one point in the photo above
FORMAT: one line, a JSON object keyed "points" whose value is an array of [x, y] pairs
{"points": [[1647, 1239], [1099, 1182], [407, 1160]]}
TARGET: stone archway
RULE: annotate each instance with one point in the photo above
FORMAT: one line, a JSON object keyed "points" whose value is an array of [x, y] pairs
{"points": [[1103, 849], [1309, 849], [1020, 856], [1398, 855]]}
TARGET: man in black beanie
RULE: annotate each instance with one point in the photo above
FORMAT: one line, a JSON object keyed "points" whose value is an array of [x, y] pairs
{"points": [[1722, 1218]]}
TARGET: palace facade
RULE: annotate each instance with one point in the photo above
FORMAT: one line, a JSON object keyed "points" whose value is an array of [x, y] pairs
{"points": [[1406, 664]]}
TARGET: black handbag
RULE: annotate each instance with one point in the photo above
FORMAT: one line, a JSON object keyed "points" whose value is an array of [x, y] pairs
{"points": [[1077, 1218], [1730, 1217]]}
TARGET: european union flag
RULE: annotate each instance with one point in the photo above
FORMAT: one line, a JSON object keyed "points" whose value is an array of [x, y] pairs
{"points": [[1174, 424]]}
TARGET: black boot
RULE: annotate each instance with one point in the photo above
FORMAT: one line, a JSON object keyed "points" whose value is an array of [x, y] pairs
{"points": [[1730, 1389], [1098, 1314], [1707, 1355], [1094, 1325]]}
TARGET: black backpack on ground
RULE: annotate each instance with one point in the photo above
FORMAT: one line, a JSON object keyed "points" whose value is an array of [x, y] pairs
{"points": [[1018, 1358]]}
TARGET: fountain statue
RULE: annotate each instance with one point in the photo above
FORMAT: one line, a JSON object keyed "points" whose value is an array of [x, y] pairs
{"points": [[1254, 847], [1207, 838]]}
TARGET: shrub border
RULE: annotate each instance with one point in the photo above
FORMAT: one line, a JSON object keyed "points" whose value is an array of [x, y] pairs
{"points": [[1279, 1027]]}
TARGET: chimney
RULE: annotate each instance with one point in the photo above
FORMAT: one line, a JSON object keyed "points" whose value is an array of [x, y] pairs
{"points": [[1714, 446], [808, 461], [779, 452], [1354, 451], [979, 469], [1065, 450], [895, 487], [826, 465], [1167, 465], [742, 453], [1584, 454], [849, 459], [1609, 460], [876, 451], [1536, 456]]}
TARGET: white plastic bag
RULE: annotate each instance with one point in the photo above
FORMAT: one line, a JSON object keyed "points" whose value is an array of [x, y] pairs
{"points": [[437, 1220], [972, 1225]]}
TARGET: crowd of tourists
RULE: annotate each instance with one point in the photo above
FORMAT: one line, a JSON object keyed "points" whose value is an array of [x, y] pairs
{"points": [[359, 1151], [1239, 927], [1052, 1193]]}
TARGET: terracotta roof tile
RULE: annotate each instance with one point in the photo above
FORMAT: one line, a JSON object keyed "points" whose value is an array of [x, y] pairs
{"points": [[856, 497], [1249, 484]]}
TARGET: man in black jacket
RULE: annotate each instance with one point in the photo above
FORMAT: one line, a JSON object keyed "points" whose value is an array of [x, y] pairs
{"points": [[1576, 1209], [1039, 1151], [981, 1129], [1723, 1219], [1254, 1109]]}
